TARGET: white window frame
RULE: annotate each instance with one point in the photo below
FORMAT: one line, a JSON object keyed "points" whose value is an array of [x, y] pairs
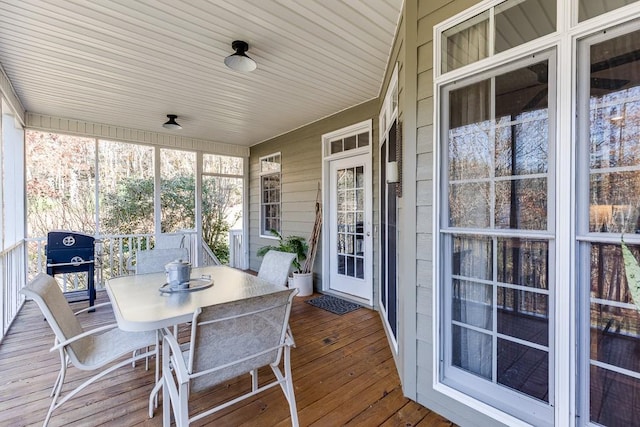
{"points": [[564, 40], [243, 262], [262, 175], [355, 129], [502, 394]]}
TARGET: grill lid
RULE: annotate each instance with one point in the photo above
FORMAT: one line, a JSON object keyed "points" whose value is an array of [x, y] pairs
{"points": [[57, 240]]}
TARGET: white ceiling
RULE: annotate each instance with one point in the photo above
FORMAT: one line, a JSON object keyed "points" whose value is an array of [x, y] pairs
{"points": [[130, 63]]}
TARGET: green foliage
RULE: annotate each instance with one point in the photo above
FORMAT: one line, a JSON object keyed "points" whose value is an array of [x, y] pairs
{"points": [[129, 210], [62, 182], [292, 244], [219, 196], [177, 203]]}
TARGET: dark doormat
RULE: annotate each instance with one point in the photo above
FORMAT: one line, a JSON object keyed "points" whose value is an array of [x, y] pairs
{"points": [[333, 304]]}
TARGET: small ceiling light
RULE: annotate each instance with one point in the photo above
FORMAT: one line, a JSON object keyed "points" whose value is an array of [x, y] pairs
{"points": [[239, 61], [171, 123]]}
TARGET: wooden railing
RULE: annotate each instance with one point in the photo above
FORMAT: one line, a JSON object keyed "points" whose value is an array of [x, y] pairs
{"points": [[208, 257], [114, 256], [12, 275], [114, 253], [236, 250]]}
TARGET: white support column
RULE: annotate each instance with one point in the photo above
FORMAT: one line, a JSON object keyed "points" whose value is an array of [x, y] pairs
{"points": [[157, 210]]}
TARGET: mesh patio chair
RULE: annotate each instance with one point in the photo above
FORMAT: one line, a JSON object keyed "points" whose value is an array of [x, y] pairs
{"points": [[86, 350], [170, 241], [154, 260], [275, 267], [227, 341]]}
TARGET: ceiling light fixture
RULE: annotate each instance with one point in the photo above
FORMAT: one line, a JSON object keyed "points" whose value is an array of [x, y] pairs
{"points": [[239, 61], [171, 123]]}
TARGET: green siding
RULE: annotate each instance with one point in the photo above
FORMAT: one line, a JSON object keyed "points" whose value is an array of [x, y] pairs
{"points": [[301, 175]]}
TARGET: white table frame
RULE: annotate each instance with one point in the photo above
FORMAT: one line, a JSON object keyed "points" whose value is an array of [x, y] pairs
{"points": [[138, 304]]}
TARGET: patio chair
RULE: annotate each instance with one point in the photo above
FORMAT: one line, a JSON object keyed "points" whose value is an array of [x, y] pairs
{"points": [[86, 350], [154, 260], [170, 241], [275, 267], [227, 341]]}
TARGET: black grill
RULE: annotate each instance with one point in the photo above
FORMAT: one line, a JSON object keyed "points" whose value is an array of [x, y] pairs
{"points": [[70, 252]]}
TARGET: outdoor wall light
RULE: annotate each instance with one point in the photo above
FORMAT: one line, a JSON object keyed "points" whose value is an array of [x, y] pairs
{"points": [[239, 61], [171, 123], [392, 172]]}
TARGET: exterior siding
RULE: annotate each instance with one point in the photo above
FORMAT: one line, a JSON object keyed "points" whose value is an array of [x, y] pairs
{"points": [[430, 13], [302, 172], [301, 167]]}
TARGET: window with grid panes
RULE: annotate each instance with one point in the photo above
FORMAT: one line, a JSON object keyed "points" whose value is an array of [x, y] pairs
{"points": [[270, 209]]}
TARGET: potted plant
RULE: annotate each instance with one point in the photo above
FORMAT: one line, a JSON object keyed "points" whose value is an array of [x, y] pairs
{"points": [[303, 281]]}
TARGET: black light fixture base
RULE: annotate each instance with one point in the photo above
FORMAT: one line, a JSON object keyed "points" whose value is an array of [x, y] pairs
{"points": [[240, 46], [171, 123]]}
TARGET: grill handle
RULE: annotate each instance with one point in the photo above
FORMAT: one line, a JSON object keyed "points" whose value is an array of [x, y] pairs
{"points": [[66, 264]]}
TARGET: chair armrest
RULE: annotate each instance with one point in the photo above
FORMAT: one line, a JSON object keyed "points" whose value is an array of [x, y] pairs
{"points": [[178, 364], [83, 335], [92, 307]]}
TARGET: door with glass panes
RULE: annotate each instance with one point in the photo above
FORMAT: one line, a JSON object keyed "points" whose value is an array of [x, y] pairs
{"points": [[350, 226], [608, 211], [497, 237]]}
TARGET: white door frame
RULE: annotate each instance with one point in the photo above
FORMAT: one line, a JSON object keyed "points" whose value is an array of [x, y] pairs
{"points": [[327, 245]]}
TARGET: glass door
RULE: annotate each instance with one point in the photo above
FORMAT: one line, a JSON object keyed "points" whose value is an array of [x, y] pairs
{"points": [[497, 237], [350, 226], [609, 210]]}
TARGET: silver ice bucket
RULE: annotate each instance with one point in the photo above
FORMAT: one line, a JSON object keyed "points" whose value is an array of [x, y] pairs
{"points": [[178, 273]]}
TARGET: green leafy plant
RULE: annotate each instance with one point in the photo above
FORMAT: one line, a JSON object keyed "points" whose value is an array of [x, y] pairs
{"points": [[292, 244], [632, 272], [129, 209]]}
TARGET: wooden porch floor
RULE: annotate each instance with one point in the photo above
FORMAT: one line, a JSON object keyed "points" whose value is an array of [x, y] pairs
{"points": [[343, 373]]}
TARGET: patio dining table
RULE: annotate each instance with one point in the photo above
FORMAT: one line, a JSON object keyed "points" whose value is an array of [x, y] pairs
{"points": [[139, 304], [143, 302]]}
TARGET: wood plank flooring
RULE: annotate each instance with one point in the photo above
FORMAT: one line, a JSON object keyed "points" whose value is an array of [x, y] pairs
{"points": [[343, 373]]}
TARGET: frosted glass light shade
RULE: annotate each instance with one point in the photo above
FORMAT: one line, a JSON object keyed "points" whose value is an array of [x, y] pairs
{"points": [[239, 61], [171, 123], [392, 172]]}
